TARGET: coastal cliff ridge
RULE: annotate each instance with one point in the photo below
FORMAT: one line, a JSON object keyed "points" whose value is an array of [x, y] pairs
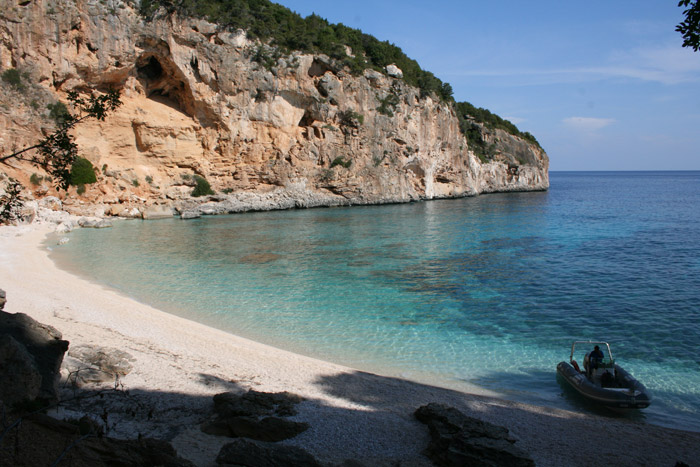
{"points": [[267, 128]]}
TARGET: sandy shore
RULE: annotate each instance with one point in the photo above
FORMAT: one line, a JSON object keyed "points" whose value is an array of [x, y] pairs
{"points": [[179, 365]]}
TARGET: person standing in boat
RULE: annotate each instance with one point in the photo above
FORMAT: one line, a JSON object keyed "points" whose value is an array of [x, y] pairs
{"points": [[596, 357]]}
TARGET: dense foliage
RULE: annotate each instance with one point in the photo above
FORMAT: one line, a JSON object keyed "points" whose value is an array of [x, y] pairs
{"points": [[13, 77], [82, 172], [467, 113], [690, 27], [202, 187]]}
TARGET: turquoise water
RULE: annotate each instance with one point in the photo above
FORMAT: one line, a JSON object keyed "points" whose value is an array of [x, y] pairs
{"points": [[487, 291]]}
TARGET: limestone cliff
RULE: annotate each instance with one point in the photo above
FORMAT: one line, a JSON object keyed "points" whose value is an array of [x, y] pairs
{"points": [[270, 132]]}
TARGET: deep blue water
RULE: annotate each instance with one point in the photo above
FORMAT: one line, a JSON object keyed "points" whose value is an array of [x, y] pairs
{"points": [[487, 291]]}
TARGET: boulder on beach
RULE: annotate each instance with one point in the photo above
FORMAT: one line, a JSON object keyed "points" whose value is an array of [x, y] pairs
{"points": [[457, 439], [86, 364], [255, 415]]}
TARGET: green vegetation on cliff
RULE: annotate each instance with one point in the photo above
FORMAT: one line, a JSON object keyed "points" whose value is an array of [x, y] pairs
{"points": [[265, 20], [466, 111], [288, 31]]}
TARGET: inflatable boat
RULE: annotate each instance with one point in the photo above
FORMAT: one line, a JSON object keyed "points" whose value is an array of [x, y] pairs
{"points": [[601, 380]]}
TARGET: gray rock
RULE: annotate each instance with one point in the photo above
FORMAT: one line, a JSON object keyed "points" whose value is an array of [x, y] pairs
{"points": [[19, 374], [107, 359], [329, 86], [63, 241], [157, 212], [51, 202], [266, 429], [255, 415], [374, 77], [249, 453], [79, 376], [51, 437], [43, 343], [64, 227], [190, 215], [256, 403], [458, 440], [3, 299], [394, 71], [93, 222], [102, 224]]}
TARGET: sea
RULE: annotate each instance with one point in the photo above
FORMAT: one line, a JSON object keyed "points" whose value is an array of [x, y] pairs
{"points": [[483, 293]]}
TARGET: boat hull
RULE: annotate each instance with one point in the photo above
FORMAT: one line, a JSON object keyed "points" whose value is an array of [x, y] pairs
{"points": [[631, 394]]}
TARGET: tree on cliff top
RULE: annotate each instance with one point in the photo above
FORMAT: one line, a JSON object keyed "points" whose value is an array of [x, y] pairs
{"points": [[690, 28], [57, 152]]}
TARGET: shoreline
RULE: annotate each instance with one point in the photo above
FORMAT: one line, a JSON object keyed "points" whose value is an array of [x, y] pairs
{"points": [[353, 414]]}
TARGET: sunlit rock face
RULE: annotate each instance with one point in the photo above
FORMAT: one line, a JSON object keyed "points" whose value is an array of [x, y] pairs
{"points": [[296, 130]]}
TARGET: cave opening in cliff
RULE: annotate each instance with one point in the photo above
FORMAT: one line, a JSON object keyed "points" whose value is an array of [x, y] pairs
{"points": [[307, 120], [151, 70]]}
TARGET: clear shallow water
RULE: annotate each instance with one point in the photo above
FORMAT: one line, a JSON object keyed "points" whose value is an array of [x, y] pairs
{"points": [[487, 291]]}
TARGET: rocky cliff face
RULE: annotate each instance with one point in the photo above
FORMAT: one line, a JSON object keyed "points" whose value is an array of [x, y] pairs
{"points": [[268, 129]]}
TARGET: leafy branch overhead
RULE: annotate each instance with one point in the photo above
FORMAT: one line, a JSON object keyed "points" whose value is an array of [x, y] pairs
{"points": [[57, 152], [690, 28]]}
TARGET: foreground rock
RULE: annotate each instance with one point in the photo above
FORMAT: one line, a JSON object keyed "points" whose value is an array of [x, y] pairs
{"points": [[458, 440], [255, 415], [20, 376], [245, 452], [42, 440], [30, 349]]}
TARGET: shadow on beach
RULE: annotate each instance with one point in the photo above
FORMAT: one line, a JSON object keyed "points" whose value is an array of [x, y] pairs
{"points": [[356, 415]]}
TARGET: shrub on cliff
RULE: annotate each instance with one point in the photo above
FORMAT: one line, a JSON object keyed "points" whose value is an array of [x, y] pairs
{"points": [[202, 187], [82, 172], [341, 162], [58, 112], [13, 77], [57, 152]]}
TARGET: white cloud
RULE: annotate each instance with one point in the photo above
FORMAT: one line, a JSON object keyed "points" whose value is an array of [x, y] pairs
{"points": [[588, 124], [670, 64]]}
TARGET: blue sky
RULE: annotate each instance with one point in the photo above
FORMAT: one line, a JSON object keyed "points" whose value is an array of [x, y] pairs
{"points": [[603, 85]]}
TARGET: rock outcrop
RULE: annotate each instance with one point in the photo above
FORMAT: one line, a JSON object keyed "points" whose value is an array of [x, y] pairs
{"points": [[42, 440], [255, 415], [457, 440], [30, 359], [298, 133], [96, 364]]}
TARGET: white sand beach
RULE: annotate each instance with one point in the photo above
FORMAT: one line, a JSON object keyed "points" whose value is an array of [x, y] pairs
{"points": [[179, 364]]}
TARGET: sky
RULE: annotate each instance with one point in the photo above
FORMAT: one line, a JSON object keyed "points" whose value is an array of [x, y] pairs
{"points": [[601, 84]]}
